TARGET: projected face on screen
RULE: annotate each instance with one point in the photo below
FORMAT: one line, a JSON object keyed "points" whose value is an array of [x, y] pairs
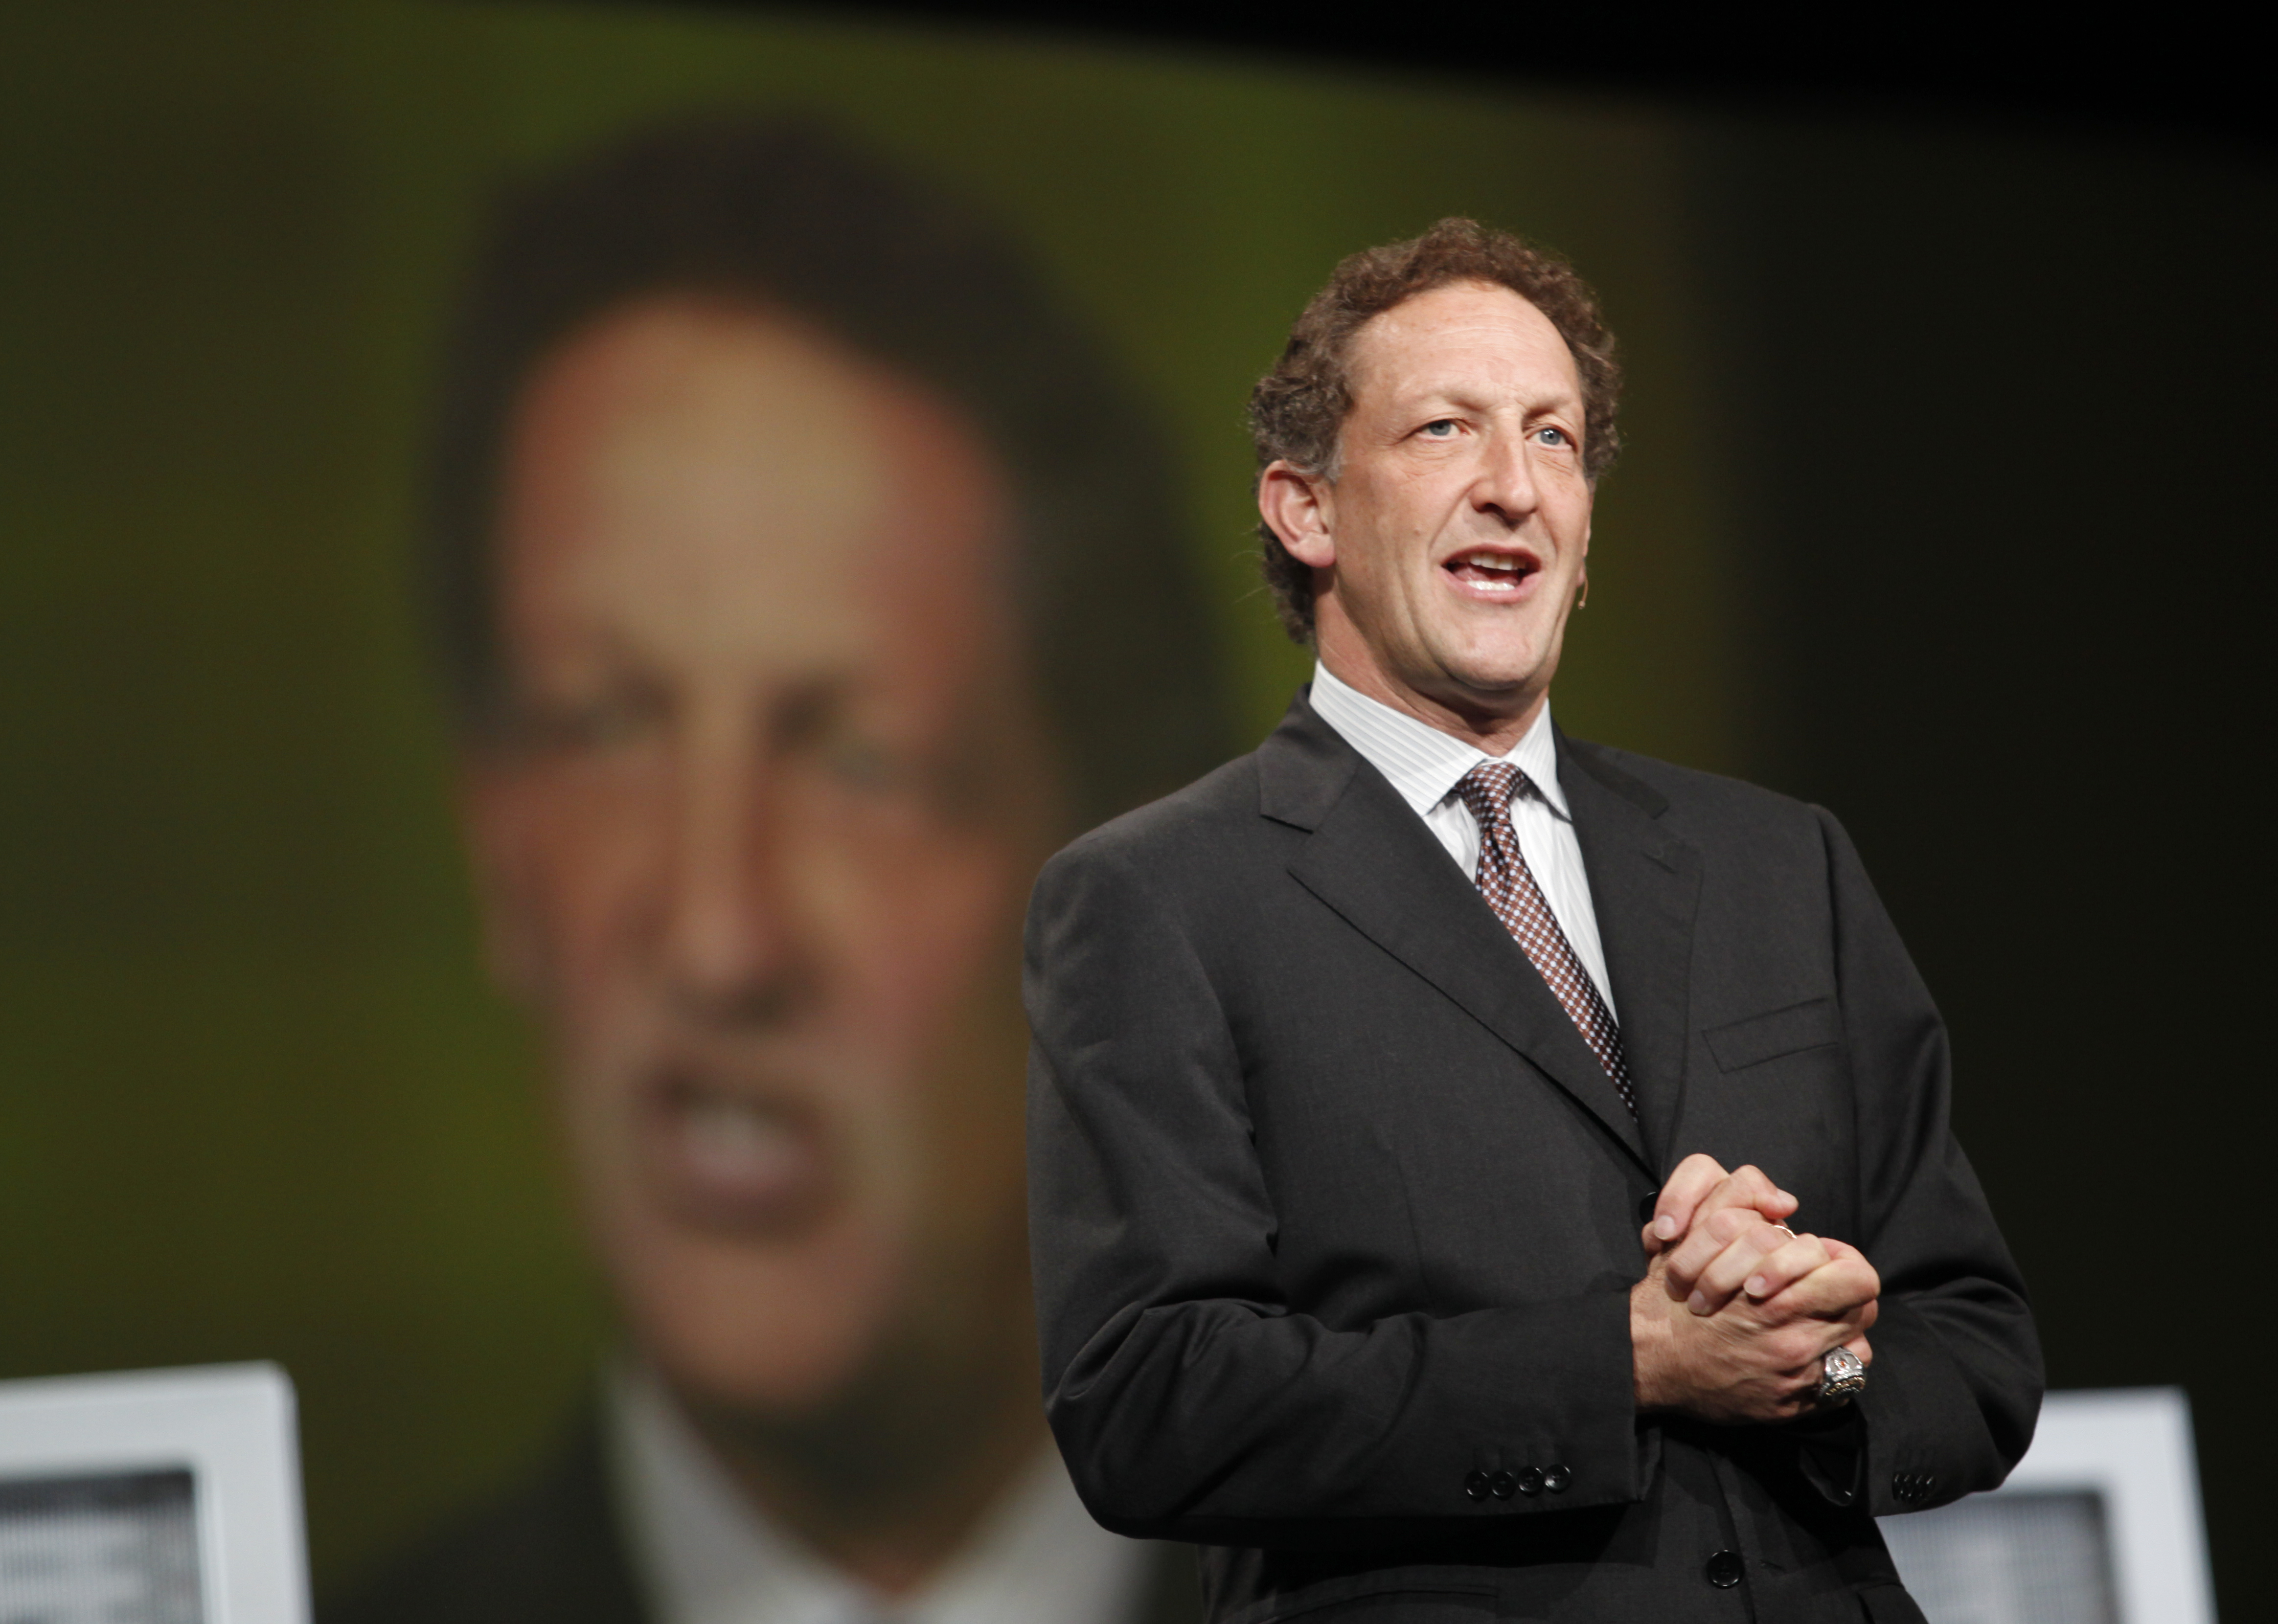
{"points": [[757, 844]]}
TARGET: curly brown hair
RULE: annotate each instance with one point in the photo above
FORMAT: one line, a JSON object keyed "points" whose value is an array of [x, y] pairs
{"points": [[1297, 411]]}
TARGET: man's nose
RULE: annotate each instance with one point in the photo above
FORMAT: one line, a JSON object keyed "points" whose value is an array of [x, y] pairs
{"points": [[1505, 483], [730, 938]]}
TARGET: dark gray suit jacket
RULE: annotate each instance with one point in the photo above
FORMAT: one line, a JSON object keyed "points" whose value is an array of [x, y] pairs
{"points": [[1335, 1217]]}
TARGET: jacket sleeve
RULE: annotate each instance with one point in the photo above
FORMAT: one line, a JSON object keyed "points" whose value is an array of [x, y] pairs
{"points": [[1188, 1399], [1956, 1382]]}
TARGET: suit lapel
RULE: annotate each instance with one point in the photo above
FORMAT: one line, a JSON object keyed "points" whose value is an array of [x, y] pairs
{"points": [[1645, 887], [1373, 862]]}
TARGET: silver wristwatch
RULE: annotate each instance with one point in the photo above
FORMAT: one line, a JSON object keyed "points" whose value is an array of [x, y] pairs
{"points": [[1842, 1375]]}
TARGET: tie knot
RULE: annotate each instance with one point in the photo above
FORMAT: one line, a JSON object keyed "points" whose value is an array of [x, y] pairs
{"points": [[1487, 789]]}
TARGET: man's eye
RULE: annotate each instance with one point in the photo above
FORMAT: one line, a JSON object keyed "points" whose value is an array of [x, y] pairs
{"points": [[1554, 436], [814, 723], [861, 762], [605, 722], [1441, 429]]}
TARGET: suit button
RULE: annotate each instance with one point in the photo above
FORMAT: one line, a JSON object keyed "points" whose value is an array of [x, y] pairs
{"points": [[1476, 1485], [1501, 1483], [1556, 1478], [1645, 1207], [1723, 1569], [1530, 1481]]}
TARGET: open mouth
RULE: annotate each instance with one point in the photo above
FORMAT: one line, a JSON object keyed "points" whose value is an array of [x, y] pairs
{"points": [[728, 1159], [1492, 573]]}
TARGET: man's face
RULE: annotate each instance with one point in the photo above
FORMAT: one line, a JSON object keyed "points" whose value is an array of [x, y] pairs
{"points": [[755, 844], [1460, 517]]}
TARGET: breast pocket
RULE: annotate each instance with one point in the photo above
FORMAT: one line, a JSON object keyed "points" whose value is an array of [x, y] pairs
{"points": [[1775, 1033], [1781, 1097]]}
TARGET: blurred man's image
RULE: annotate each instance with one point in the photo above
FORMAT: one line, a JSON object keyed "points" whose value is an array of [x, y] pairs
{"points": [[803, 580]]}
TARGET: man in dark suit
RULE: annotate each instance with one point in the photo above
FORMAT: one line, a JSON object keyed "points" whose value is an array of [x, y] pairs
{"points": [[1385, 1083], [790, 544]]}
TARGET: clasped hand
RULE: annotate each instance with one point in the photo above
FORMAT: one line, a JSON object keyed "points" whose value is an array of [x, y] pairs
{"points": [[1736, 1311]]}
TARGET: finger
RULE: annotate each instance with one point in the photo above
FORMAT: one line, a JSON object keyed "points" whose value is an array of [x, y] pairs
{"points": [[1830, 1298], [1753, 1240], [1750, 1186], [1673, 1210], [1862, 1348], [1711, 1232], [1721, 1219], [1839, 1288], [1764, 1251], [1719, 1280], [1784, 1264], [1750, 1190]]}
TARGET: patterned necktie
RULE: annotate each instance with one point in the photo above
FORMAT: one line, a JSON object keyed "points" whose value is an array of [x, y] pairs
{"points": [[1508, 884]]}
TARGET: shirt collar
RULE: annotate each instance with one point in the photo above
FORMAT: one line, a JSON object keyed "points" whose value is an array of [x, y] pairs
{"points": [[1424, 764], [708, 1555]]}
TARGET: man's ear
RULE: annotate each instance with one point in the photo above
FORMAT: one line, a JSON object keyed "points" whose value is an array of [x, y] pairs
{"points": [[492, 814], [1298, 508]]}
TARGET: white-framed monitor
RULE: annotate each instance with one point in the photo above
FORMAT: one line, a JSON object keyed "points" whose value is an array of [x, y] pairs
{"points": [[159, 1497], [2099, 1524]]}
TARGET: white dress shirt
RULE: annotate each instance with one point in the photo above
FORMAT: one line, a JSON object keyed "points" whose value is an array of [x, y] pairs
{"points": [[703, 1555], [1424, 765]]}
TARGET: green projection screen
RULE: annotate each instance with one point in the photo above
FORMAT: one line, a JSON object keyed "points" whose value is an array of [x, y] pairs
{"points": [[256, 1098]]}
